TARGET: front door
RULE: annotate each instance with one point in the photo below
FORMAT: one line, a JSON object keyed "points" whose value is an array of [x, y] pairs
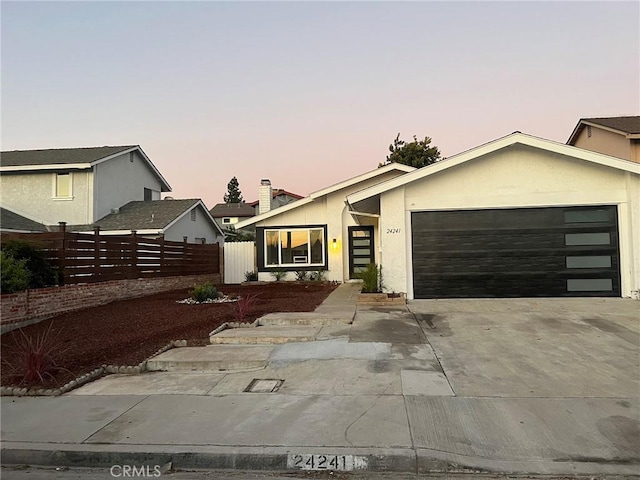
{"points": [[361, 249]]}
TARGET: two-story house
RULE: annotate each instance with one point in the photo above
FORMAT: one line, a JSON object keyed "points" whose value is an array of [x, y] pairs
{"points": [[615, 136], [109, 187]]}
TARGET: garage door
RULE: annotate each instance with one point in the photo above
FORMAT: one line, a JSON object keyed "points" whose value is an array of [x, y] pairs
{"points": [[527, 252]]}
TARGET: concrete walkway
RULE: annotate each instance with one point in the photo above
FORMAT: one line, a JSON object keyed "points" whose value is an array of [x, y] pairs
{"points": [[373, 396]]}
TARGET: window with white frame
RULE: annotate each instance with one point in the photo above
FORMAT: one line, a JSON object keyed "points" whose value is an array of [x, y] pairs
{"points": [[63, 187], [294, 247]]}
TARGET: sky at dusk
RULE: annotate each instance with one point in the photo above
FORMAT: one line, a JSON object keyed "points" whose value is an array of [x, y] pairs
{"points": [[306, 94]]}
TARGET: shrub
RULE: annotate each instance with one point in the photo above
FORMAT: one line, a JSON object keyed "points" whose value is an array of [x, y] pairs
{"points": [[301, 275], [240, 309], [41, 272], [250, 276], [371, 279], [203, 292], [33, 358], [13, 274], [318, 276], [278, 274]]}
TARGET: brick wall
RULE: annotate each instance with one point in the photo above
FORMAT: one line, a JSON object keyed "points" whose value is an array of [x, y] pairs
{"points": [[31, 306]]}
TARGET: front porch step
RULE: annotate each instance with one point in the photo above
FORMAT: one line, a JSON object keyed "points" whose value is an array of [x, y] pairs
{"points": [[211, 358], [266, 335], [305, 318]]}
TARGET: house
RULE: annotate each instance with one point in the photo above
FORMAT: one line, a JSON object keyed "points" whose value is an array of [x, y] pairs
{"points": [[12, 222], [307, 234], [228, 214], [117, 189], [175, 220], [615, 136], [519, 216], [279, 198], [77, 185]]}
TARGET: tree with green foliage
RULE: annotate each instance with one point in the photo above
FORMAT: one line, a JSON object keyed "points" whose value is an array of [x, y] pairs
{"points": [[41, 272], [14, 276], [233, 235], [233, 195], [418, 153]]}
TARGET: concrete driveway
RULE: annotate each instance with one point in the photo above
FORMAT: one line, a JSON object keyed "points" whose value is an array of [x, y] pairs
{"points": [[535, 347], [547, 386]]}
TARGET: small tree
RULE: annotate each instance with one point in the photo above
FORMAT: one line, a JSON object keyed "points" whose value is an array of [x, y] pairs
{"points": [[418, 153], [233, 195], [233, 235]]}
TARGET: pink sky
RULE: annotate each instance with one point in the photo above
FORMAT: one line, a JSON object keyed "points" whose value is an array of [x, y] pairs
{"points": [[306, 94]]}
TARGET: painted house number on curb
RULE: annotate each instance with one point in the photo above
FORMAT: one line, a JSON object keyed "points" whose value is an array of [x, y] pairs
{"points": [[391, 231], [344, 463]]}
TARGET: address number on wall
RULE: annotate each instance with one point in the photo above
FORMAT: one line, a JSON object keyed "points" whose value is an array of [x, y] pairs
{"points": [[345, 463], [391, 231]]}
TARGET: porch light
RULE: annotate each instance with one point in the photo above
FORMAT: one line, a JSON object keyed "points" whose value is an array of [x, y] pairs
{"points": [[334, 244]]}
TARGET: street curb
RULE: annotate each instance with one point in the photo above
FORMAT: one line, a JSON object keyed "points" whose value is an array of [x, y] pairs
{"points": [[194, 457], [399, 460]]}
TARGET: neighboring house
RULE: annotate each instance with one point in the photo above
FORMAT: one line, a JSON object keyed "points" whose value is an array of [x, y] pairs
{"points": [[615, 136], [12, 222], [77, 185], [517, 217], [228, 214], [279, 198], [175, 220]]}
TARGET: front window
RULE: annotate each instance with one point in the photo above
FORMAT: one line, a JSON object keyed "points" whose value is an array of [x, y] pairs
{"points": [[295, 247]]}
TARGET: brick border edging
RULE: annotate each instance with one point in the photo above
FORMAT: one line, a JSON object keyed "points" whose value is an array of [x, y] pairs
{"points": [[32, 306], [7, 391]]}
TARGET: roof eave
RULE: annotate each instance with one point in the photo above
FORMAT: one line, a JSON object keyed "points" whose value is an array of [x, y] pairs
{"points": [[53, 166]]}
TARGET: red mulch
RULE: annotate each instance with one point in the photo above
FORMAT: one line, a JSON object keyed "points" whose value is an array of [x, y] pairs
{"points": [[129, 331]]}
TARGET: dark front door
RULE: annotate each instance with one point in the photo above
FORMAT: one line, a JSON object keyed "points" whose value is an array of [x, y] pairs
{"points": [[526, 252], [361, 249]]}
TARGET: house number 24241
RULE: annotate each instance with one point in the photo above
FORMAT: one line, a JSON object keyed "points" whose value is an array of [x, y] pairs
{"points": [[391, 231]]}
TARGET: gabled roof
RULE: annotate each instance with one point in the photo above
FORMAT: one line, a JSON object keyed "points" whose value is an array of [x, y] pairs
{"points": [[326, 191], [69, 158], [232, 210], [627, 126], [487, 148], [152, 215], [277, 192], [14, 222]]}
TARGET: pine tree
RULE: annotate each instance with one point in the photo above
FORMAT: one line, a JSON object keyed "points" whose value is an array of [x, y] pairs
{"points": [[233, 195], [418, 153]]}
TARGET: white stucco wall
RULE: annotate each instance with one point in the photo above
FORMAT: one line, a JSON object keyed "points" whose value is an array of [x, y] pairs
{"points": [[329, 210], [119, 181], [33, 194], [393, 246], [517, 176], [200, 228]]}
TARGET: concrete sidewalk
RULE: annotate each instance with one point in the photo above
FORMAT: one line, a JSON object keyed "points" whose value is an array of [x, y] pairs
{"points": [[373, 398]]}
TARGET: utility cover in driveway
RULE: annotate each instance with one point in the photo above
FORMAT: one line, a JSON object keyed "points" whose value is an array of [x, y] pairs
{"points": [[525, 252]]}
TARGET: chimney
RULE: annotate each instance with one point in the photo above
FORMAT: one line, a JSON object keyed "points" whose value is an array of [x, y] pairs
{"points": [[264, 196]]}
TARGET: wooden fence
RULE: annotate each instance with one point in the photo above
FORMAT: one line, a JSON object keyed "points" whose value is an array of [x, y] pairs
{"points": [[89, 258]]}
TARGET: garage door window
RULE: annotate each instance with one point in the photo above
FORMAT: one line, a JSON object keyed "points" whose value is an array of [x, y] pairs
{"points": [[588, 216], [594, 261], [587, 239], [589, 285]]}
